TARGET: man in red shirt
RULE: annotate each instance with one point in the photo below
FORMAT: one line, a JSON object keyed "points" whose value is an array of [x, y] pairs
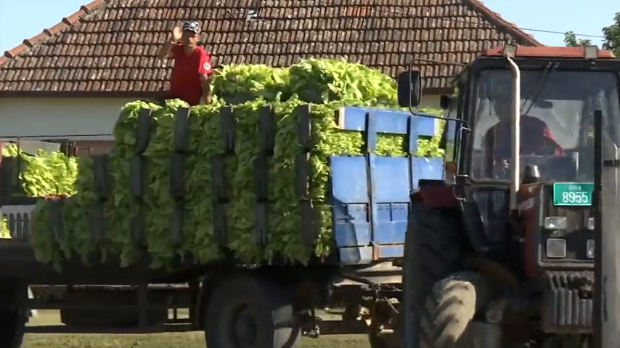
{"points": [[192, 65], [536, 138]]}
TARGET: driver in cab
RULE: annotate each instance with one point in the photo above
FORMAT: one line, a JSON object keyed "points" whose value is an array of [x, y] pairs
{"points": [[536, 138]]}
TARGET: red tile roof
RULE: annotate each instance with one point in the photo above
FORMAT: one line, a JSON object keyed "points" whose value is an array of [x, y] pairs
{"points": [[109, 47]]}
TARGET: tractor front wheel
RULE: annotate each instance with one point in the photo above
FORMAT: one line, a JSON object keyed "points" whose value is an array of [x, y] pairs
{"points": [[446, 321], [433, 250]]}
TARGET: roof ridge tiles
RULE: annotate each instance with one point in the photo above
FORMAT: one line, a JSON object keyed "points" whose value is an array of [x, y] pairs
{"points": [[64, 24]]}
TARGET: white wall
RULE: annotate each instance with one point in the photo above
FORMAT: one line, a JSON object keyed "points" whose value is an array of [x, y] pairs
{"points": [[430, 101], [79, 117]]}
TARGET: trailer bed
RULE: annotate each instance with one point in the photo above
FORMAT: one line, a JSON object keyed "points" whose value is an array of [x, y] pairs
{"points": [[17, 260]]}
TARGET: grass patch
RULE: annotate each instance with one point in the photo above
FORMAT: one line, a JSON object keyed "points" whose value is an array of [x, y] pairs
{"points": [[165, 340]]}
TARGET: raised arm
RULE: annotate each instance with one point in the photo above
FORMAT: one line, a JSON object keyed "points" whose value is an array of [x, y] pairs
{"points": [[166, 51]]}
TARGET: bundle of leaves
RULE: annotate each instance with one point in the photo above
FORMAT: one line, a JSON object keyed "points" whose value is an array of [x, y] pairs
{"points": [[325, 80], [47, 173], [330, 84], [4, 229], [237, 84]]}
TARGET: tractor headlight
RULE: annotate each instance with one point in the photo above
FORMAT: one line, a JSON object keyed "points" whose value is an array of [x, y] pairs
{"points": [[555, 223], [590, 248], [556, 248]]}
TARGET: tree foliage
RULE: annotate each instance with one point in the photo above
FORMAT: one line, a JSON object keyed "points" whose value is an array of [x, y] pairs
{"points": [[571, 40], [611, 33], [612, 36]]}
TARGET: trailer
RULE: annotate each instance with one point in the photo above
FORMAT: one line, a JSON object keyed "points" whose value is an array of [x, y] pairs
{"points": [[240, 305]]}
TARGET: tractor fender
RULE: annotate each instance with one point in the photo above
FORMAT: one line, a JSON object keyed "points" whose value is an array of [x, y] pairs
{"points": [[435, 194], [501, 277]]}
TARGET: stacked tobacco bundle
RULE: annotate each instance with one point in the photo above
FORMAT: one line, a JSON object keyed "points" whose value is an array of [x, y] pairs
{"points": [[327, 84], [4, 229], [48, 173]]}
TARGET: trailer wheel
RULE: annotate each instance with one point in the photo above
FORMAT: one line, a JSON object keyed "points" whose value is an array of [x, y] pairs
{"points": [[13, 317], [250, 312], [433, 250], [445, 320], [13, 327]]}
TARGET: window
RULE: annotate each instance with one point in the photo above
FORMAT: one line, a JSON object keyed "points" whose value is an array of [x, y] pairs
{"points": [[556, 122], [93, 147]]}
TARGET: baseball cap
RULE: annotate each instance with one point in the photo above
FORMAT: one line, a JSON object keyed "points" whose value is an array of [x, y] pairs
{"points": [[192, 26]]}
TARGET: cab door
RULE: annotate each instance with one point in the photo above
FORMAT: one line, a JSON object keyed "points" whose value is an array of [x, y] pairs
{"points": [[609, 245], [450, 137]]}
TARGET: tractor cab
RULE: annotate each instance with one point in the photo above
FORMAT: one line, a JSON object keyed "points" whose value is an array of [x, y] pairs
{"points": [[557, 90], [515, 207], [519, 135]]}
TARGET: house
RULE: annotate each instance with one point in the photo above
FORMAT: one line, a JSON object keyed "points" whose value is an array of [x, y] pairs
{"points": [[71, 79]]}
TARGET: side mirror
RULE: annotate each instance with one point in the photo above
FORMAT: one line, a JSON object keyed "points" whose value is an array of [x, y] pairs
{"points": [[409, 88], [444, 101]]}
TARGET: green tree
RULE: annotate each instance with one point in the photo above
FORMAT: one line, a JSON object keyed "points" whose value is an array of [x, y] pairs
{"points": [[571, 40], [612, 36], [611, 33]]}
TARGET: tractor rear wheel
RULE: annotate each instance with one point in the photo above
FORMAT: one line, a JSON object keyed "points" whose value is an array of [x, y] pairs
{"points": [[434, 249]]}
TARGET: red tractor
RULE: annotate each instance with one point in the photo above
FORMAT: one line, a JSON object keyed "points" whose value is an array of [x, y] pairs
{"points": [[500, 253]]}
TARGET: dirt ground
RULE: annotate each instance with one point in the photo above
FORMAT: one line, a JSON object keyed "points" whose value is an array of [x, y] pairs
{"points": [[168, 340]]}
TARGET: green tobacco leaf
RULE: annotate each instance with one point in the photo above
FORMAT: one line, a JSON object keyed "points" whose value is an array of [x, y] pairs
{"points": [[329, 84], [4, 228]]}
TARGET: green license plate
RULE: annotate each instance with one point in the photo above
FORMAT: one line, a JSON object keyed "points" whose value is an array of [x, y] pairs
{"points": [[572, 194]]}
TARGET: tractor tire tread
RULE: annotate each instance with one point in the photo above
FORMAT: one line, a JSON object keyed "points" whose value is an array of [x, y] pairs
{"points": [[433, 251], [449, 310]]}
